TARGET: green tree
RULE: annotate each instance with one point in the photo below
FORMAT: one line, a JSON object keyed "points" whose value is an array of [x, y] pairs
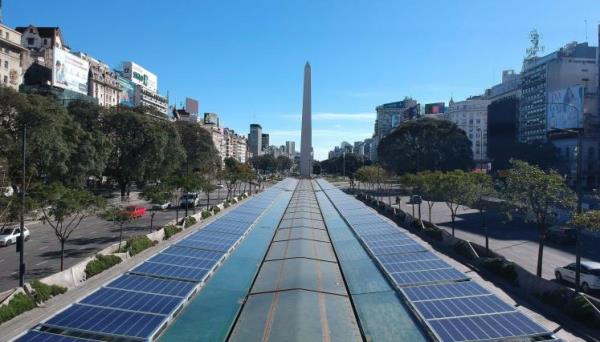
{"points": [[200, 151], [590, 221], [64, 209], [425, 144], [207, 187], [479, 191], [537, 194], [428, 185], [284, 164], [454, 190]]}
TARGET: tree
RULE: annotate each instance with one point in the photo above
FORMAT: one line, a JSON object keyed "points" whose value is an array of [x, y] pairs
{"points": [[64, 209], [454, 190], [284, 164], [347, 164], [207, 187], [200, 151], [536, 194], [265, 163], [428, 184], [589, 220], [373, 175], [480, 188], [425, 144]]}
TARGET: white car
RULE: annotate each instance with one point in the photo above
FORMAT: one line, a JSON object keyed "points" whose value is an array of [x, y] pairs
{"points": [[590, 275], [9, 235], [220, 186], [161, 206]]}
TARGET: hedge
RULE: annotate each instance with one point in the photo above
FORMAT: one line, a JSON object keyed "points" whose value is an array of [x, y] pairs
{"points": [[226, 205], [171, 230], [205, 214], [101, 263], [501, 267], [190, 220], [17, 305], [572, 304], [462, 248], [42, 292], [434, 233], [216, 209], [138, 243]]}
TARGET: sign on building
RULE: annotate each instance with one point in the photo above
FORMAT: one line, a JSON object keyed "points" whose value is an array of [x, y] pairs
{"points": [[140, 76], [565, 108], [70, 72]]}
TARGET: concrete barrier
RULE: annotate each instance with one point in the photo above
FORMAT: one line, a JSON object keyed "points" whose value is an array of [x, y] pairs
{"points": [[71, 277]]}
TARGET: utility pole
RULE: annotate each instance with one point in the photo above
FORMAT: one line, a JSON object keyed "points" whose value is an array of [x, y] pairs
{"points": [[21, 242]]}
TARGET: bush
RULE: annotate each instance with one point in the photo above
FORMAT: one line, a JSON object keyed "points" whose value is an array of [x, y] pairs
{"points": [[501, 267], [190, 220], [462, 248], [138, 243], [42, 292], [17, 305], [101, 263], [226, 205], [434, 233], [171, 230], [581, 310], [216, 209], [206, 214]]}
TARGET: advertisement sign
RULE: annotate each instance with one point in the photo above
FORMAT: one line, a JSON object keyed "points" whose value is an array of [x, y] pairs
{"points": [[435, 108], [565, 108], [70, 72], [127, 94], [396, 120], [141, 76], [211, 119], [191, 105]]}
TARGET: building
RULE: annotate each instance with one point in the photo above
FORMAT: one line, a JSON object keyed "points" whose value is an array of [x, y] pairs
{"points": [[192, 106], [185, 116], [471, 116], [41, 42], [290, 148], [390, 115], [574, 64], [255, 140], [234, 145], [264, 141], [146, 91], [11, 58], [103, 82]]}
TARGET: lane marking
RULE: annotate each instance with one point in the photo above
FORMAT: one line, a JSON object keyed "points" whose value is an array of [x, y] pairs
{"points": [[41, 263], [42, 248]]}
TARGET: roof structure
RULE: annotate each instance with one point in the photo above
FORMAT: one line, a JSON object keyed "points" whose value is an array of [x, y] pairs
{"points": [[302, 261]]}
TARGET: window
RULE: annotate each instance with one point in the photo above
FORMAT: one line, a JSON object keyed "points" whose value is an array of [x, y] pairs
{"points": [[6, 34], [30, 41], [5, 79], [5, 64]]}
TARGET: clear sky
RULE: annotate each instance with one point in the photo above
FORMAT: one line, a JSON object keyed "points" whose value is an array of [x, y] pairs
{"points": [[244, 59]]}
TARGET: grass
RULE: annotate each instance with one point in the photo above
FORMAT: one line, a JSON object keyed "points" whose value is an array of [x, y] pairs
{"points": [[171, 230], [190, 220], [42, 292], [502, 268], [206, 214], [17, 305], [101, 263], [137, 244]]}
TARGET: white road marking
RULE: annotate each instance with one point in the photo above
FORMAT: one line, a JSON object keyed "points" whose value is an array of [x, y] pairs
{"points": [[43, 247], [93, 232], [1, 261], [15, 272], [41, 263]]}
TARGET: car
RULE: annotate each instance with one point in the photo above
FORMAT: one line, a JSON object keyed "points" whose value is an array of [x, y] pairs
{"points": [[219, 186], [562, 235], [161, 206], [190, 200], [415, 199], [135, 211], [590, 275], [9, 235]]}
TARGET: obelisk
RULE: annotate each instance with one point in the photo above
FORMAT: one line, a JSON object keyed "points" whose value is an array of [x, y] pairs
{"points": [[306, 135]]}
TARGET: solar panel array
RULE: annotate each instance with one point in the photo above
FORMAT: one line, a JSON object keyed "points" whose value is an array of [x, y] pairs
{"points": [[453, 307], [138, 304]]}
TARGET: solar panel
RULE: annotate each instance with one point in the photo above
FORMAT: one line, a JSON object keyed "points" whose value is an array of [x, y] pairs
{"points": [[135, 301], [408, 248], [41, 336], [416, 266], [466, 306], [193, 253], [409, 257], [427, 277], [152, 285], [171, 271], [453, 290], [206, 235], [206, 245], [497, 326], [107, 321], [365, 230], [396, 238], [183, 261]]}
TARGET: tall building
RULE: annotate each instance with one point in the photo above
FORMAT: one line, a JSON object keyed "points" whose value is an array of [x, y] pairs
{"points": [[390, 115], [290, 148], [235, 145], [574, 64], [146, 92], [11, 58], [264, 141], [103, 82], [255, 140], [471, 116]]}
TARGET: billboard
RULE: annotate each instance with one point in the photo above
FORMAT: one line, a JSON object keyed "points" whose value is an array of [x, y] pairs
{"points": [[70, 72], [435, 108], [565, 108], [211, 119], [127, 94], [191, 105], [140, 76], [396, 120]]}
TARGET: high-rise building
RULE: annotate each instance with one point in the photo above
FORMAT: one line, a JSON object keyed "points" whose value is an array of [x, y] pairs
{"points": [[290, 148], [255, 140], [264, 141], [103, 82], [146, 93], [471, 116], [11, 58], [390, 115]]}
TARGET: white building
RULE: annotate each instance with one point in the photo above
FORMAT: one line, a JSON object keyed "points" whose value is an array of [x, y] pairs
{"points": [[11, 56], [146, 93], [471, 116]]}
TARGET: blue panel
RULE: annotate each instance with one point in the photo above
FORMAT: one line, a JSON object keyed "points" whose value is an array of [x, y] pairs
{"points": [[457, 307], [207, 235], [40, 336], [453, 290], [499, 326], [152, 285], [364, 230], [205, 245], [396, 237], [193, 253], [410, 257], [416, 266], [106, 321], [171, 271], [408, 248], [183, 261], [427, 277], [135, 301]]}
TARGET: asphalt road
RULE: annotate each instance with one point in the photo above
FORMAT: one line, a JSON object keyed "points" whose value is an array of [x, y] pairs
{"points": [[42, 251], [515, 240]]}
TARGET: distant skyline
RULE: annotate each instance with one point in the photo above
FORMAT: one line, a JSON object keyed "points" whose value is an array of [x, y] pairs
{"points": [[244, 60]]}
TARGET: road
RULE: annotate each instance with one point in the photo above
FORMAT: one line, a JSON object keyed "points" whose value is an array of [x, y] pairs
{"points": [[515, 240], [42, 251]]}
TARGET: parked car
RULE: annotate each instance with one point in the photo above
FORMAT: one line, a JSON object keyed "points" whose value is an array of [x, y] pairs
{"points": [[161, 206], [415, 199], [562, 235], [9, 235], [220, 186], [590, 275], [135, 211], [190, 200]]}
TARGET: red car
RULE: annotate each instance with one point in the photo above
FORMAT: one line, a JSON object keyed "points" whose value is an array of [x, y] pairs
{"points": [[135, 211]]}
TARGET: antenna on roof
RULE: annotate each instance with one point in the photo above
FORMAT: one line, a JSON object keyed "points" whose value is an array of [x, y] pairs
{"points": [[0, 11], [585, 21]]}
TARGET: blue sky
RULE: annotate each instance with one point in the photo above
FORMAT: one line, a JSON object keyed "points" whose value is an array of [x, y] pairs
{"points": [[244, 59]]}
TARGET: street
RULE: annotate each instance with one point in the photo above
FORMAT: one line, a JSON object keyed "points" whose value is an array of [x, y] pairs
{"points": [[42, 251]]}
